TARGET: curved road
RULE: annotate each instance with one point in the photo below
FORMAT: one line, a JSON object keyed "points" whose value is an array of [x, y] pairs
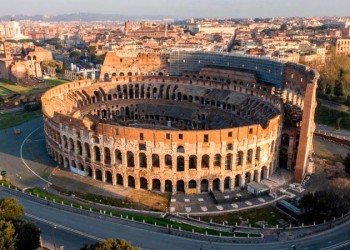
{"points": [[73, 230]]}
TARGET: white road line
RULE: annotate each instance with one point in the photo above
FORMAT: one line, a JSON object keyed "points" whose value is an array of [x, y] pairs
{"points": [[21, 154], [64, 227]]}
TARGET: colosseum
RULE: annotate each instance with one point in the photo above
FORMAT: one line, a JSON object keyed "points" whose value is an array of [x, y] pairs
{"points": [[187, 122]]}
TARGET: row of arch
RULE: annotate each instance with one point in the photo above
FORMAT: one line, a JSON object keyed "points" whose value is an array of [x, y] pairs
{"points": [[203, 185], [128, 160]]}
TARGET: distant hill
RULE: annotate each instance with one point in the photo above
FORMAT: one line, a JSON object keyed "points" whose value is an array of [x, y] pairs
{"points": [[84, 17]]}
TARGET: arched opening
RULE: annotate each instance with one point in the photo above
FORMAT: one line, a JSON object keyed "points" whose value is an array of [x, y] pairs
{"points": [[156, 184], [283, 158], [109, 177], [238, 180], [285, 140], [264, 173], [205, 161], [180, 186], [107, 156], [131, 181], [120, 180], [155, 160], [66, 163], [143, 160], [143, 183], [118, 157], [250, 156], [73, 164], [248, 177], [192, 184], [193, 162], [168, 186], [98, 175], [80, 148], [71, 145], [204, 186], [216, 185], [180, 163], [256, 176], [87, 150], [97, 154], [227, 183], [217, 160], [180, 149], [239, 158], [130, 159], [89, 171], [121, 74], [228, 163], [168, 161], [257, 153], [80, 167], [106, 77]]}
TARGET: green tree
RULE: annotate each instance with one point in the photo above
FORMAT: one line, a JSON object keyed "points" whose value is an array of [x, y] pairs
{"points": [[10, 210], [347, 163], [217, 38], [7, 235], [307, 202], [28, 236], [111, 244]]}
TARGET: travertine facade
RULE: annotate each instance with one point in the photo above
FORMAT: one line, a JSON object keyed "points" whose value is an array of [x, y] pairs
{"points": [[216, 129]]}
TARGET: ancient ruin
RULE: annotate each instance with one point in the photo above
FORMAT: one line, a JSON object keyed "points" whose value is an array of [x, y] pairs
{"points": [[187, 122]]}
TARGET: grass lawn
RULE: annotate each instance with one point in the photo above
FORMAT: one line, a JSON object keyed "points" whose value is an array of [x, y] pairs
{"points": [[55, 82], [15, 88], [149, 220], [16, 118], [5, 92], [324, 115], [252, 216]]}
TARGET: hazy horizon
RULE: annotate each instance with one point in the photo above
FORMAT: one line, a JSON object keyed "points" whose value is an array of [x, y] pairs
{"points": [[182, 8]]}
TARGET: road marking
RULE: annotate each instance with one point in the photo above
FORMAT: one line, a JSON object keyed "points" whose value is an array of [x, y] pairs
{"points": [[337, 246], [64, 227], [24, 162]]}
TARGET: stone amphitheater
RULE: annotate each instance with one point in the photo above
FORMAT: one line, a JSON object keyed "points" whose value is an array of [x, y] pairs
{"points": [[191, 123]]}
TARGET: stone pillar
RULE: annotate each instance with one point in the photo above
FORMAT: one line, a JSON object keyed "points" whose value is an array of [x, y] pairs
{"points": [[187, 166], [149, 161], [174, 187], [232, 183], [93, 172], [114, 178], [125, 179], [137, 182], [244, 160], [103, 176], [161, 163], [162, 186], [102, 156], [242, 184], [210, 184], [222, 184], [112, 155]]}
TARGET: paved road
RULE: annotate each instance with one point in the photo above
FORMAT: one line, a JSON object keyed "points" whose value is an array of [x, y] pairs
{"points": [[10, 157], [83, 229], [331, 130]]}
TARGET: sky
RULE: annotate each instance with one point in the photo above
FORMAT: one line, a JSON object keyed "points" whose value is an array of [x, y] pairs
{"points": [[181, 8]]}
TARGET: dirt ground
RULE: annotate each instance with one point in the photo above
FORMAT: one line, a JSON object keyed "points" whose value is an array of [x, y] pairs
{"points": [[329, 169], [141, 199]]}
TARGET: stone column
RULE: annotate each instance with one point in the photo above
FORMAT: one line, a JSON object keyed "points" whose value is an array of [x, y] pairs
{"points": [[222, 184], [114, 178]]}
